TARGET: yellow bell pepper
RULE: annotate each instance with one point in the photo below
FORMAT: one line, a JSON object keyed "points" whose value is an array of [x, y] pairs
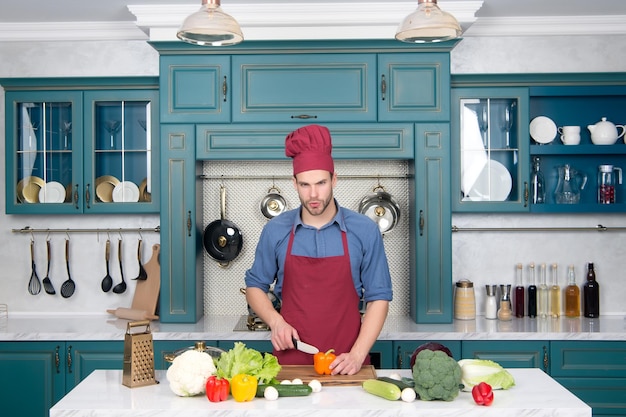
{"points": [[243, 387]]}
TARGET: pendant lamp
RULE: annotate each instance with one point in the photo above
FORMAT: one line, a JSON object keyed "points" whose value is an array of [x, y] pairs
{"points": [[428, 24], [210, 26]]}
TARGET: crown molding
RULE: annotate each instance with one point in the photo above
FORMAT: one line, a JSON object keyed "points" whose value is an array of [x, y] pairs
{"points": [[70, 31], [548, 26]]}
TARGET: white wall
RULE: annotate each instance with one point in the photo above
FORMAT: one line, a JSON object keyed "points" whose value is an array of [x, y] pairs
{"points": [[481, 257]]}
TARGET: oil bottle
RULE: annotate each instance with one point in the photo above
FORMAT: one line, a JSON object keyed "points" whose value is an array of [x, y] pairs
{"points": [[542, 298], [572, 294], [555, 293], [591, 293], [532, 293], [519, 292]]}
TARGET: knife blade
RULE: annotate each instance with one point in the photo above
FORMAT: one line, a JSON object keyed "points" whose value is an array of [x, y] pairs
{"points": [[304, 347]]}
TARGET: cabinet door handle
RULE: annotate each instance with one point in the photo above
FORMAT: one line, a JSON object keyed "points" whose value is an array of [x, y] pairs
{"points": [[304, 116], [69, 359], [399, 357], [87, 196], [526, 194], [421, 222], [189, 223], [57, 360], [76, 197], [225, 87], [383, 87], [546, 361]]}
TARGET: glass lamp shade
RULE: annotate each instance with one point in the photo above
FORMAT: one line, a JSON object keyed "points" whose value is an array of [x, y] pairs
{"points": [[428, 24], [210, 26]]}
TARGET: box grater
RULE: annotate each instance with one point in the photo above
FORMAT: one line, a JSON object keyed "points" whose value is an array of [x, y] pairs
{"points": [[138, 367]]}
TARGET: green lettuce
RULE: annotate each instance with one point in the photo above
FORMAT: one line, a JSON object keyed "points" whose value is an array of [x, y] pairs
{"points": [[475, 371], [243, 360]]}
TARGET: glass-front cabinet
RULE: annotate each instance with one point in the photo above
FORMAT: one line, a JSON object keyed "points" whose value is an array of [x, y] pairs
{"points": [[490, 149], [82, 151]]}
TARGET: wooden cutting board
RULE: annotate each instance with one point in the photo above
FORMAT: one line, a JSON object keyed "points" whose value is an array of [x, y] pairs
{"points": [[306, 373]]}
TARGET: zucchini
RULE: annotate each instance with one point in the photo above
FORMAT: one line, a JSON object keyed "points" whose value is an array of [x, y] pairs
{"points": [[383, 389], [400, 384], [285, 390]]}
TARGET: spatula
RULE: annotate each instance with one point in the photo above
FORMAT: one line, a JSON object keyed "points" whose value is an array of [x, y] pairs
{"points": [[68, 287], [34, 286]]}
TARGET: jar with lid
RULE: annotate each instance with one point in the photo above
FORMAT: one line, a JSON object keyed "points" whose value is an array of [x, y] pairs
{"points": [[464, 300], [491, 304], [606, 183]]}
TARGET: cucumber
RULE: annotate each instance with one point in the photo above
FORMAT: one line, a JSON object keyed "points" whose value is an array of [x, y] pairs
{"points": [[400, 384], [383, 389], [286, 390]]}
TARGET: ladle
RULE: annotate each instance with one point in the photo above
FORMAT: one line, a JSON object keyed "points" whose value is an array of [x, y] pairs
{"points": [[47, 284], [34, 286], [68, 287], [107, 281], [121, 287], [143, 275]]}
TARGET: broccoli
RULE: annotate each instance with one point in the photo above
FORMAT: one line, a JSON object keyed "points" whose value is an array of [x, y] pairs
{"points": [[437, 376]]}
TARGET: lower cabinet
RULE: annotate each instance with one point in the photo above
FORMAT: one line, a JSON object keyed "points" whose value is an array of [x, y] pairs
{"points": [[38, 374], [510, 354]]}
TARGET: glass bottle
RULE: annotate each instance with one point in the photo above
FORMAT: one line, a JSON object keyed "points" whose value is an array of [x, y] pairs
{"points": [[555, 293], [537, 183], [591, 294], [542, 297], [504, 313], [519, 292], [572, 294], [532, 293], [491, 304]]}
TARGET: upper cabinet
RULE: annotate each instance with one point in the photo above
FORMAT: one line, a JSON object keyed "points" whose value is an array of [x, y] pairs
{"points": [[87, 150], [490, 149]]}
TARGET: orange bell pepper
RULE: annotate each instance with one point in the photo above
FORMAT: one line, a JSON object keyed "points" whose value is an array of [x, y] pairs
{"points": [[243, 387], [322, 361]]}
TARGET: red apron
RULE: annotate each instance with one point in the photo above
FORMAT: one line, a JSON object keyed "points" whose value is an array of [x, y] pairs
{"points": [[320, 302]]}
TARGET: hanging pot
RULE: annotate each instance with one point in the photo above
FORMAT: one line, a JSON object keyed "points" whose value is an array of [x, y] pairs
{"points": [[382, 208], [273, 203], [222, 238]]}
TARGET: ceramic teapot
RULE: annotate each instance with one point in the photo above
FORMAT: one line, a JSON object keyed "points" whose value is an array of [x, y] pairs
{"points": [[605, 132]]}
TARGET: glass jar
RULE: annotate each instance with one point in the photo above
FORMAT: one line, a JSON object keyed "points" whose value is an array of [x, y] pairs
{"points": [[464, 300], [607, 182]]}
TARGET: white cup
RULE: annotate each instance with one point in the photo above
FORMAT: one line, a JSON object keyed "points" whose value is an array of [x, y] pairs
{"points": [[570, 135]]}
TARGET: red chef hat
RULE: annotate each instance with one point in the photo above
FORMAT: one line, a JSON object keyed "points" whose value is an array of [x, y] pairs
{"points": [[311, 148]]}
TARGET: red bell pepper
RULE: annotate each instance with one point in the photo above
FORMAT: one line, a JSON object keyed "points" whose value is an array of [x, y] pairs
{"points": [[217, 389], [483, 394], [322, 361]]}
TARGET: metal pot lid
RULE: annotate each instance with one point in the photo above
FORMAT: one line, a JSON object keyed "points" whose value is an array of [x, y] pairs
{"points": [[382, 208], [273, 203]]}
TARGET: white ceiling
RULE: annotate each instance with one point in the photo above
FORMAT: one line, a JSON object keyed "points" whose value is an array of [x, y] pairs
{"points": [[157, 19]]}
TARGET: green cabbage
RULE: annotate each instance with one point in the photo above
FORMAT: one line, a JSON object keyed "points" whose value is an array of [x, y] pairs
{"points": [[475, 371], [243, 360]]}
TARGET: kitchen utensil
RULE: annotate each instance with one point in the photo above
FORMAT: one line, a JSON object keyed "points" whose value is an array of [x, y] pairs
{"points": [[493, 184], [542, 129], [605, 132], [273, 203], [138, 365], [107, 281], [68, 287], [121, 287], [142, 275], [382, 208], [570, 183], [47, 283], [307, 373], [222, 238], [304, 347], [34, 286]]}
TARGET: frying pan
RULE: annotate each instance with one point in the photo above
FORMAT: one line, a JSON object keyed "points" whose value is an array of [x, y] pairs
{"points": [[222, 238]]}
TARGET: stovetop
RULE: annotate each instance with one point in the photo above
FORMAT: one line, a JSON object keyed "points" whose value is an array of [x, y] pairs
{"points": [[248, 323]]}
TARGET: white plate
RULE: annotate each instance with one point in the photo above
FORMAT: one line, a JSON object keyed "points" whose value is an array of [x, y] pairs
{"points": [[52, 192], [493, 184], [542, 129], [126, 192]]}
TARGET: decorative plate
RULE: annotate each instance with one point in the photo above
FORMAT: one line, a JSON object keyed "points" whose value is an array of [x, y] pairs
{"points": [[542, 129], [52, 192], [126, 192], [28, 189], [104, 187]]}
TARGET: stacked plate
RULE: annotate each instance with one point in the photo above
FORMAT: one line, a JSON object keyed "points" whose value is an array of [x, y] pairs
{"points": [[52, 192], [542, 129], [125, 192], [28, 189], [105, 186]]}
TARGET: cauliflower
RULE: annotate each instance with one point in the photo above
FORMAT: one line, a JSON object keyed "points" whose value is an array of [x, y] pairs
{"points": [[437, 376], [189, 372]]}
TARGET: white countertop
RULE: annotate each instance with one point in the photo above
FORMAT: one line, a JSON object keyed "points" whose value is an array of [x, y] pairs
{"points": [[106, 327], [102, 394]]}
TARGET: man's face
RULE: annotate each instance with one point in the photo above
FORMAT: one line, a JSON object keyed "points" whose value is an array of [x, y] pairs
{"points": [[315, 190]]}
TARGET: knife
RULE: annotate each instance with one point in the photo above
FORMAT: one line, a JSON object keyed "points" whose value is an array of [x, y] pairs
{"points": [[304, 347]]}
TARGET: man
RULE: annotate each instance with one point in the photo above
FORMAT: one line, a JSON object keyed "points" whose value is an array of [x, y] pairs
{"points": [[324, 258]]}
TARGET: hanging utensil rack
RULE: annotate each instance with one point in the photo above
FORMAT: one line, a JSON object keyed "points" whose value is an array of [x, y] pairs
{"points": [[288, 177], [28, 229], [598, 228]]}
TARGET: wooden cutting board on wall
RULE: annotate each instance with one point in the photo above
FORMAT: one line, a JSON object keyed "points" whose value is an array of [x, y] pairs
{"points": [[306, 373]]}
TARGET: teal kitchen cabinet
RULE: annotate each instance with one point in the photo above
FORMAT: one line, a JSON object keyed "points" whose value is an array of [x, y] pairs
{"points": [[181, 232], [38, 374], [414, 87], [490, 149], [431, 266], [404, 350], [510, 354], [81, 148], [295, 87], [168, 347], [593, 371], [195, 89]]}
